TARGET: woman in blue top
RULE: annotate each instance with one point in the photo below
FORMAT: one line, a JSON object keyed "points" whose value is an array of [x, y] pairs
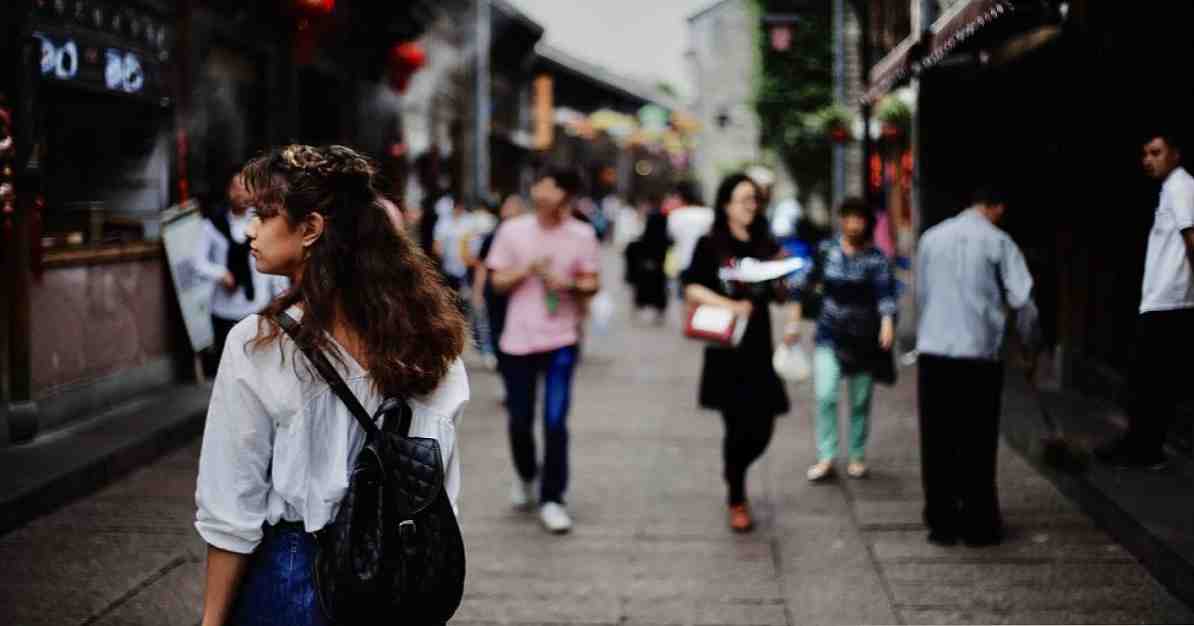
{"points": [[855, 332]]}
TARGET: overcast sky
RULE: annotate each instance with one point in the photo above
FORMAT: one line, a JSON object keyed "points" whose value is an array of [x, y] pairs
{"points": [[644, 39]]}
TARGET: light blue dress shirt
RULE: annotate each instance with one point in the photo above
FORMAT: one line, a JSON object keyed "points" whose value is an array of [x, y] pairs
{"points": [[968, 274]]}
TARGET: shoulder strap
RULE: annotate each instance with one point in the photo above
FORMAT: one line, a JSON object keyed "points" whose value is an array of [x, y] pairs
{"points": [[331, 376]]}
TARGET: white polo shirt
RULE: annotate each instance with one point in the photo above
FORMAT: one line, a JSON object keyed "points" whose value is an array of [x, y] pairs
{"points": [[1168, 278]]}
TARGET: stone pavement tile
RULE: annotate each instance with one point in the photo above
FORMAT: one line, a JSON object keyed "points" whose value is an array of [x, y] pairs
{"points": [[1052, 575], [530, 606], [700, 611], [934, 615], [1078, 545], [174, 598], [77, 579], [828, 574], [995, 594]]}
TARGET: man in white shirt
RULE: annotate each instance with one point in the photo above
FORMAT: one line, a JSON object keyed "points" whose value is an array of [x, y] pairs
{"points": [[224, 258], [1165, 326]]}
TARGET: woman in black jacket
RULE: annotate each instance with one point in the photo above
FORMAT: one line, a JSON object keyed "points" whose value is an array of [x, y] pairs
{"points": [[740, 381]]}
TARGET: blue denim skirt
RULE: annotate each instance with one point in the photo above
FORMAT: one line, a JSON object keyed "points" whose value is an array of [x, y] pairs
{"points": [[279, 588]]}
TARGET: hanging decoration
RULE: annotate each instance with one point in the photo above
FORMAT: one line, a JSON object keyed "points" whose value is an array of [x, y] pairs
{"points": [[312, 19], [405, 60]]}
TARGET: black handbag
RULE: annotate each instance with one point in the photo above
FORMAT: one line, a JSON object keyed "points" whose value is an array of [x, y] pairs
{"points": [[394, 553]]}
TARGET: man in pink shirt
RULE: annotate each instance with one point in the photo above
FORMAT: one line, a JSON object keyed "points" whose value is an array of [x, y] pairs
{"points": [[548, 262]]}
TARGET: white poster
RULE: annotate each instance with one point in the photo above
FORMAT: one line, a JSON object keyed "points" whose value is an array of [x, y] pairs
{"points": [[182, 227]]}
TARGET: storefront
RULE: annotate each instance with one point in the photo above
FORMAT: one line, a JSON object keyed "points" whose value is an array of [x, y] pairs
{"points": [[1054, 100], [88, 312], [118, 110]]}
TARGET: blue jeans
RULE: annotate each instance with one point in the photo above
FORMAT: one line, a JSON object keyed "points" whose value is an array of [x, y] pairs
{"points": [[279, 589], [521, 373]]}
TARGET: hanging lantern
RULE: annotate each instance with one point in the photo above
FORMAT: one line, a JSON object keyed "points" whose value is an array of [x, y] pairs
{"points": [[406, 58], [315, 8], [781, 37]]}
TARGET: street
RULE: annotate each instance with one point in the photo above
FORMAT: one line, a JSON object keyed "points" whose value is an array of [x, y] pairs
{"points": [[651, 545]]}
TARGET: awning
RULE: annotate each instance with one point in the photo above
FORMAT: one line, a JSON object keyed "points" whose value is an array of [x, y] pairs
{"points": [[919, 52]]}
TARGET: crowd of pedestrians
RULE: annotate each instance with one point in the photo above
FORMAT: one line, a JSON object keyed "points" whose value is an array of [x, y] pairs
{"points": [[301, 223]]}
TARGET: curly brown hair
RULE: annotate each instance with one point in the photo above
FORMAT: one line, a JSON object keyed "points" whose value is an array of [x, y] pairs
{"points": [[362, 268]]}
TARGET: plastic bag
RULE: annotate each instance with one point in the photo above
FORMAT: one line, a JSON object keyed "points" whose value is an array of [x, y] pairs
{"points": [[791, 363], [601, 312]]}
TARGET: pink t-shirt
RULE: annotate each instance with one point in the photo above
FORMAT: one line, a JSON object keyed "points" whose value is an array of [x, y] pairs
{"points": [[573, 249]]}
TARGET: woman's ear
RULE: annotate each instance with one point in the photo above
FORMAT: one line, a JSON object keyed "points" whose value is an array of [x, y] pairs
{"points": [[312, 227]]}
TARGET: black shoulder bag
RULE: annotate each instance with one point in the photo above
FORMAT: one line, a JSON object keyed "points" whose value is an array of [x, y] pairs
{"points": [[394, 553]]}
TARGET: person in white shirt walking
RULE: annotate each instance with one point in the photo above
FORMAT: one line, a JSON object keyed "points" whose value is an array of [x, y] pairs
{"points": [[686, 225], [224, 258], [1165, 326], [279, 444], [969, 272]]}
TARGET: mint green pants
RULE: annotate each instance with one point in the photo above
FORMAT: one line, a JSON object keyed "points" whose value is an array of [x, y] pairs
{"points": [[827, 376]]}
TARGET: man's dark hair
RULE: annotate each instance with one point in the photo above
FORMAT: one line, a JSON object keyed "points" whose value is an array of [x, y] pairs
{"points": [[689, 194], [989, 195], [1167, 135], [566, 178], [857, 207]]}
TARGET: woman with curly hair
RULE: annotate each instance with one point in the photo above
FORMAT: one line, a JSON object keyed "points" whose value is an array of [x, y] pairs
{"points": [[279, 443]]}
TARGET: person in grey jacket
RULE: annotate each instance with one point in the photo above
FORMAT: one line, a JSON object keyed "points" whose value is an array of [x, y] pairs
{"points": [[969, 273]]}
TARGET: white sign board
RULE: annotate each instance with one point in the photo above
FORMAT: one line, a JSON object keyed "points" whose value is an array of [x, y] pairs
{"points": [[182, 228]]}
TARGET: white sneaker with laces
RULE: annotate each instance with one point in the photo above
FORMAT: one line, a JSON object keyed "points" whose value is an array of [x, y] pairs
{"points": [[522, 494], [555, 518]]}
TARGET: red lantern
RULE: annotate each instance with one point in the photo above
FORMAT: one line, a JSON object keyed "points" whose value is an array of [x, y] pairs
{"points": [[315, 8], [406, 58]]}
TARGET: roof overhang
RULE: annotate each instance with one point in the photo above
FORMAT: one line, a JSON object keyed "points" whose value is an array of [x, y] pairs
{"points": [[920, 52]]}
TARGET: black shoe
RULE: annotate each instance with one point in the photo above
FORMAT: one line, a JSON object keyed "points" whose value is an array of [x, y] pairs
{"points": [[943, 539], [1123, 457]]}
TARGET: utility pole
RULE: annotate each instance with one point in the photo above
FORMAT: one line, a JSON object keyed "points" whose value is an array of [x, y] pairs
{"points": [[839, 95], [481, 154]]}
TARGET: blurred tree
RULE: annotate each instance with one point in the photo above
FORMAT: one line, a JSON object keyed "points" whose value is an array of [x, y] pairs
{"points": [[794, 88]]}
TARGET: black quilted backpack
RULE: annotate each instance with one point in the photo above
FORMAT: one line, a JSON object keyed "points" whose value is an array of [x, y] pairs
{"points": [[394, 554]]}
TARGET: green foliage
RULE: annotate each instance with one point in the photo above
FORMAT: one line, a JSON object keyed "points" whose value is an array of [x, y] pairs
{"points": [[794, 92], [894, 111]]}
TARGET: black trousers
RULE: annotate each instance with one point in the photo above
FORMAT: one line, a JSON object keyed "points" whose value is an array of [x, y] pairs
{"points": [[959, 438], [1159, 378], [746, 438]]}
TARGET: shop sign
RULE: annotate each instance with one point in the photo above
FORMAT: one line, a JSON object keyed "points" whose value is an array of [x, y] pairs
{"points": [[69, 60], [182, 226]]}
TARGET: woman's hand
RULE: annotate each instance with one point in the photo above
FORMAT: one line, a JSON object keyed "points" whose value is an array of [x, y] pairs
{"points": [[791, 333], [742, 308], [886, 333]]}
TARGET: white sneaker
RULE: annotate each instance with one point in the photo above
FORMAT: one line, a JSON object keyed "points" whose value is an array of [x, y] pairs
{"points": [[522, 494], [555, 518], [490, 362]]}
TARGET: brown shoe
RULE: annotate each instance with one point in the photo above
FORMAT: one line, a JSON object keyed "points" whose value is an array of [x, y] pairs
{"points": [[740, 520]]}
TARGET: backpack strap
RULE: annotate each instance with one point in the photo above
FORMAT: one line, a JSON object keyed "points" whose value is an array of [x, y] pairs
{"points": [[335, 381]]}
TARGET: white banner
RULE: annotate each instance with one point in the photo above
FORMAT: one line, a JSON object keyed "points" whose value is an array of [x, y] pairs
{"points": [[182, 227]]}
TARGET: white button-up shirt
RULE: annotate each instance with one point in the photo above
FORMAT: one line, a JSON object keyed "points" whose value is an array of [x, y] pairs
{"points": [[968, 273], [279, 445], [1168, 277]]}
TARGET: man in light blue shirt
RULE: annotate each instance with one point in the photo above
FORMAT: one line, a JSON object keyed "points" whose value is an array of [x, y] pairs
{"points": [[969, 274]]}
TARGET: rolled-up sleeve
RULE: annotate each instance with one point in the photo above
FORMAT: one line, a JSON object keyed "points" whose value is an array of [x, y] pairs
{"points": [[232, 491], [437, 416], [1017, 285]]}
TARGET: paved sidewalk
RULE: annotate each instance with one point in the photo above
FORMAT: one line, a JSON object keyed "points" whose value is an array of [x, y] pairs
{"points": [[651, 544]]}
